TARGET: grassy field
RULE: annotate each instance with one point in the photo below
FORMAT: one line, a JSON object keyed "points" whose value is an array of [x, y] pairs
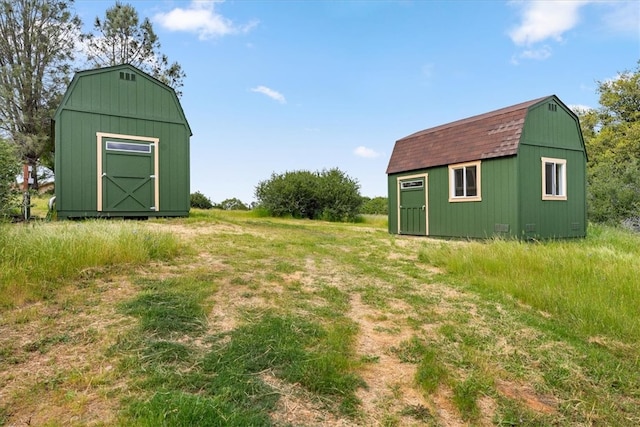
{"points": [[229, 319]]}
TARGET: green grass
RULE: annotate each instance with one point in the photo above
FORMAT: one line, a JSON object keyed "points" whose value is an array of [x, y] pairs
{"points": [[430, 372], [167, 313], [590, 285], [240, 319], [222, 385], [38, 258]]}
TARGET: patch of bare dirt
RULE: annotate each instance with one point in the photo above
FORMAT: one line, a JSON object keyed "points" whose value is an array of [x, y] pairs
{"points": [[390, 382], [525, 394], [298, 407]]}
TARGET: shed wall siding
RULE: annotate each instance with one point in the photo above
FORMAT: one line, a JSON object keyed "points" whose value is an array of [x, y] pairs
{"points": [[475, 219], [76, 170], [105, 93], [392, 200], [552, 218], [467, 219], [546, 128], [555, 134]]}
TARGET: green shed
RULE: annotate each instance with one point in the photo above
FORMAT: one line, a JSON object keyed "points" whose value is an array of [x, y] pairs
{"points": [[519, 171], [121, 147]]}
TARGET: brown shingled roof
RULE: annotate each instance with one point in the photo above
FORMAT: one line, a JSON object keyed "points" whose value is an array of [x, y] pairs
{"points": [[489, 135]]}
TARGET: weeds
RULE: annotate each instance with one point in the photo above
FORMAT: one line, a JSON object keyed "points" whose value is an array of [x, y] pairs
{"points": [[36, 259], [590, 285]]}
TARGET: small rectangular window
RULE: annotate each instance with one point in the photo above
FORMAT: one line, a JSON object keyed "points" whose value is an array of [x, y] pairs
{"points": [[554, 179], [464, 182], [128, 146], [412, 184], [127, 76]]}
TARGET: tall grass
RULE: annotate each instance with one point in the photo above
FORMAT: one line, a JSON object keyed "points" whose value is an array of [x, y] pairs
{"points": [[591, 285], [37, 258]]}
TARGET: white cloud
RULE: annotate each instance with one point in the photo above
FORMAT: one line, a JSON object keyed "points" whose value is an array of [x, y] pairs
{"points": [[539, 54], [275, 95], [544, 19], [363, 151], [578, 108], [200, 17]]}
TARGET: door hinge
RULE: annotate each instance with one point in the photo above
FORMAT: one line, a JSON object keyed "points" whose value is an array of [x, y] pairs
{"points": [[104, 174]]}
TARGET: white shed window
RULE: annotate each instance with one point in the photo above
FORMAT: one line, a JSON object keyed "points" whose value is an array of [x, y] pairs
{"points": [[465, 182], [554, 179]]}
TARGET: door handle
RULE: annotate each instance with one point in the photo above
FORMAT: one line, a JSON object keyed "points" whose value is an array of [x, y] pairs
{"points": [[423, 206]]}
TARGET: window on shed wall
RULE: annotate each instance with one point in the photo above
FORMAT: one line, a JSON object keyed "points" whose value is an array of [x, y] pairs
{"points": [[128, 146], [554, 179], [465, 182]]}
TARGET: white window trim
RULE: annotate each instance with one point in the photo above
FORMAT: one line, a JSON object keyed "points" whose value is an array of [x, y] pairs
{"points": [[563, 162], [452, 182]]}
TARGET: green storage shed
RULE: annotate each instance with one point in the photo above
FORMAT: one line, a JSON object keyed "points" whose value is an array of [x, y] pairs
{"points": [[519, 172], [121, 147]]}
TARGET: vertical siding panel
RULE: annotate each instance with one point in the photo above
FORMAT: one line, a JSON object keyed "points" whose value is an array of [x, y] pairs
{"points": [[392, 200], [553, 134], [475, 219]]}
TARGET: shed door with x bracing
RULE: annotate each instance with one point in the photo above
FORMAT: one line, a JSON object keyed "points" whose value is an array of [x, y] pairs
{"points": [[412, 207], [128, 177]]}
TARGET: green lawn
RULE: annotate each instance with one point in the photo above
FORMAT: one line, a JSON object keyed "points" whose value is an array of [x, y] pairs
{"points": [[229, 318]]}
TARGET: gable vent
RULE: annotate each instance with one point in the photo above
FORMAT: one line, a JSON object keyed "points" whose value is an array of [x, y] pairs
{"points": [[553, 107], [127, 76]]}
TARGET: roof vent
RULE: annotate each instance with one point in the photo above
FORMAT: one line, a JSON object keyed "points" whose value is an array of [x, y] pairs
{"points": [[127, 76], [553, 107]]}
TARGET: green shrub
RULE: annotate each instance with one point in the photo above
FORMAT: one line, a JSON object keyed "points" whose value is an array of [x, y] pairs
{"points": [[200, 201], [329, 195], [233, 204], [614, 191], [375, 206]]}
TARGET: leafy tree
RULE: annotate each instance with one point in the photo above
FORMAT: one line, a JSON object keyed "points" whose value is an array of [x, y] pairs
{"points": [[37, 39], [200, 201], [120, 38], [291, 193], [338, 196], [612, 138], [9, 168], [375, 206], [329, 194], [233, 205], [614, 192]]}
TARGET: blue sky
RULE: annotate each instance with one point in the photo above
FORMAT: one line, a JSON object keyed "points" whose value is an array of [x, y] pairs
{"points": [[276, 86]]}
